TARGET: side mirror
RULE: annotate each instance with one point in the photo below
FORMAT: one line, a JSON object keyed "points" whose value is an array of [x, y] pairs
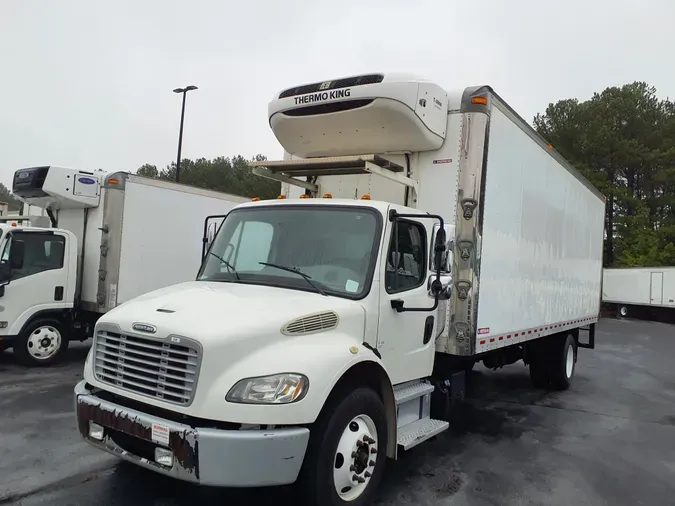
{"points": [[211, 226], [16, 254], [441, 286], [447, 235], [4, 272]]}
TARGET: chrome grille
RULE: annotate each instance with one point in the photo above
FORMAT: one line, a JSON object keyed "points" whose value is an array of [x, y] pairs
{"points": [[151, 367]]}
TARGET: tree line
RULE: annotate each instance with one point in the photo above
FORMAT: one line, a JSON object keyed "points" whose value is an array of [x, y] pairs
{"points": [[622, 140], [227, 175]]}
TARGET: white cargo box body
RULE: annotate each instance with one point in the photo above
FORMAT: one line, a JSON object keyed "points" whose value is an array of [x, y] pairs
{"points": [[146, 234], [541, 237], [648, 286], [528, 228]]}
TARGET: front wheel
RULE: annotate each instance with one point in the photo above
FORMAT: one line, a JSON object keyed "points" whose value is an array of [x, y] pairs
{"points": [[347, 449], [41, 343]]}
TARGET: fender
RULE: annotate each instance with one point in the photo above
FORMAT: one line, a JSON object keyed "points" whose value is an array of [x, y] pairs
{"points": [[43, 310], [28, 317]]}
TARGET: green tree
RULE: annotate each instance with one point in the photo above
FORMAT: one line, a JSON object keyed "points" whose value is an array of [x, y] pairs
{"points": [[148, 170], [227, 175], [6, 196], [623, 141]]}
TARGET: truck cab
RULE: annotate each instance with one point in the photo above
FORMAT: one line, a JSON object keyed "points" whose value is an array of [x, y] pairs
{"points": [[39, 265]]}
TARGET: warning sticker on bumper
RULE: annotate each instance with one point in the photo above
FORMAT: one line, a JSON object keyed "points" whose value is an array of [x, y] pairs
{"points": [[160, 434]]}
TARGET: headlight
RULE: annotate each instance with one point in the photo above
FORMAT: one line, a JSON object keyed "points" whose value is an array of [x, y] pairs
{"points": [[275, 389]]}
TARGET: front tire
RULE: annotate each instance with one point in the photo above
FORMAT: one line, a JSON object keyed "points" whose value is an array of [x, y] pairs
{"points": [[41, 343], [347, 450]]}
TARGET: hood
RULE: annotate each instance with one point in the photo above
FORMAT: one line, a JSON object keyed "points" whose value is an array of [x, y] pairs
{"points": [[210, 310]]}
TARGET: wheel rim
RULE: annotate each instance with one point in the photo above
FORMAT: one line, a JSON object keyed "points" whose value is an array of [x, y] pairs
{"points": [[569, 361], [623, 311], [355, 458], [44, 342]]}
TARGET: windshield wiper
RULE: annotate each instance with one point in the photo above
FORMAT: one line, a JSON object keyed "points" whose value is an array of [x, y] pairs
{"points": [[226, 264], [297, 271]]}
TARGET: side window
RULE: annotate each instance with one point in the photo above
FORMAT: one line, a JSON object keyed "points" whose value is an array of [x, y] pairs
{"points": [[406, 259], [6, 248], [42, 252], [251, 243]]}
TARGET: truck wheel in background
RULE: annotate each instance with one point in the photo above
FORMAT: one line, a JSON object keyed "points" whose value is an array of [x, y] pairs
{"points": [[553, 362], [347, 448], [41, 343]]}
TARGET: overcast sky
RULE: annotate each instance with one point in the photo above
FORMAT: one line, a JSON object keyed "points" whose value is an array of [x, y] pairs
{"points": [[87, 83]]}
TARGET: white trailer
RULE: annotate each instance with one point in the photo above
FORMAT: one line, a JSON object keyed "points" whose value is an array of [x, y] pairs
{"points": [[634, 290], [115, 236], [419, 232]]}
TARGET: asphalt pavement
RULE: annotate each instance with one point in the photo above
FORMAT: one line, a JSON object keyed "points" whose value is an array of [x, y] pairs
{"points": [[609, 440]]}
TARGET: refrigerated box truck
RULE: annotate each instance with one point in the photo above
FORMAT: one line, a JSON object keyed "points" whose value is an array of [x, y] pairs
{"points": [[333, 327], [640, 290], [112, 237]]}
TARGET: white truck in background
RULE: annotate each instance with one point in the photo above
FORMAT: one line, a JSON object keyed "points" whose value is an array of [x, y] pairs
{"points": [[640, 290], [111, 237], [419, 232]]}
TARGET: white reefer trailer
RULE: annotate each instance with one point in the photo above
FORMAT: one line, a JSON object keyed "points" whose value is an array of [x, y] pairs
{"points": [[116, 236], [327, 332], [639, 288]]}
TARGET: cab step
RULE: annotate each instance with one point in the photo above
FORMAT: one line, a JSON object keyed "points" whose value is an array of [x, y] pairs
{"points": [[417, 432], [411, 390]]}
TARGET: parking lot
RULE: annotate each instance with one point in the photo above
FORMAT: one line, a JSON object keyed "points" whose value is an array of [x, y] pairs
{"points": [[610, 439]]}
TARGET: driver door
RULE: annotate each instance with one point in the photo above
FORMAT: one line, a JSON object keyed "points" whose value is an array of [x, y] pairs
{"points": [[41, 282], [405, 339]]}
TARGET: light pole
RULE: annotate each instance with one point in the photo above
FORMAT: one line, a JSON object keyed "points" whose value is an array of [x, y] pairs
{"points": [[180, 134]]}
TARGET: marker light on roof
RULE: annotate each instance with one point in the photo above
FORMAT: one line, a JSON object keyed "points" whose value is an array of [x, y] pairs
{"points": [[365, 197], [328, 195], [255, 199], [304, 196], [281, 197]]}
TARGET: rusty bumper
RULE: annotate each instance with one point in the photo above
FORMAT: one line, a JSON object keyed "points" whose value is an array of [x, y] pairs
{"points": [[227, 458]]}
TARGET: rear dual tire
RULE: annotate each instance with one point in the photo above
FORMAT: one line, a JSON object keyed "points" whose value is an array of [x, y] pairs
{"points": [[554, 363]]}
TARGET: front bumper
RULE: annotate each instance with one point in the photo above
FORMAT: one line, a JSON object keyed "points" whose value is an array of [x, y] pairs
{"points": [[207, 456]]}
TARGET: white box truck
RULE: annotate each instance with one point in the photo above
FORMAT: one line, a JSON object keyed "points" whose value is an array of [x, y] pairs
{"points": [[640, 290], [329, 332], [114, 236]]}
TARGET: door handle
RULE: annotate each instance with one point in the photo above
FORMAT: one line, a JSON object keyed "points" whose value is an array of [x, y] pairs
{"points": [[428, 329]]}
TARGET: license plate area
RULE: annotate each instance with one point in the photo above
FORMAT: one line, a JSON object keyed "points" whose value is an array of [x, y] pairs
{"points": [[138, 434]]}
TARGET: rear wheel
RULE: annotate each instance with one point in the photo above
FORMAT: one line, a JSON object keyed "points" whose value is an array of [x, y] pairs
{"points": [[553, 364], [41, 343], [347, 448]]}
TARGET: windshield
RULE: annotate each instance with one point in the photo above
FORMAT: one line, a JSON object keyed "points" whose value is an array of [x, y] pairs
{"points": [[336, 247]]}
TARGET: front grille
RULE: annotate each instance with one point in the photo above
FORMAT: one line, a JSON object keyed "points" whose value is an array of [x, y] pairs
{"points": [[150, 367], [346, 82]]}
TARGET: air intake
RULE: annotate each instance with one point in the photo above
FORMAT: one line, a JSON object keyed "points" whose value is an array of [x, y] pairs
{"points": [[310, 324]]}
